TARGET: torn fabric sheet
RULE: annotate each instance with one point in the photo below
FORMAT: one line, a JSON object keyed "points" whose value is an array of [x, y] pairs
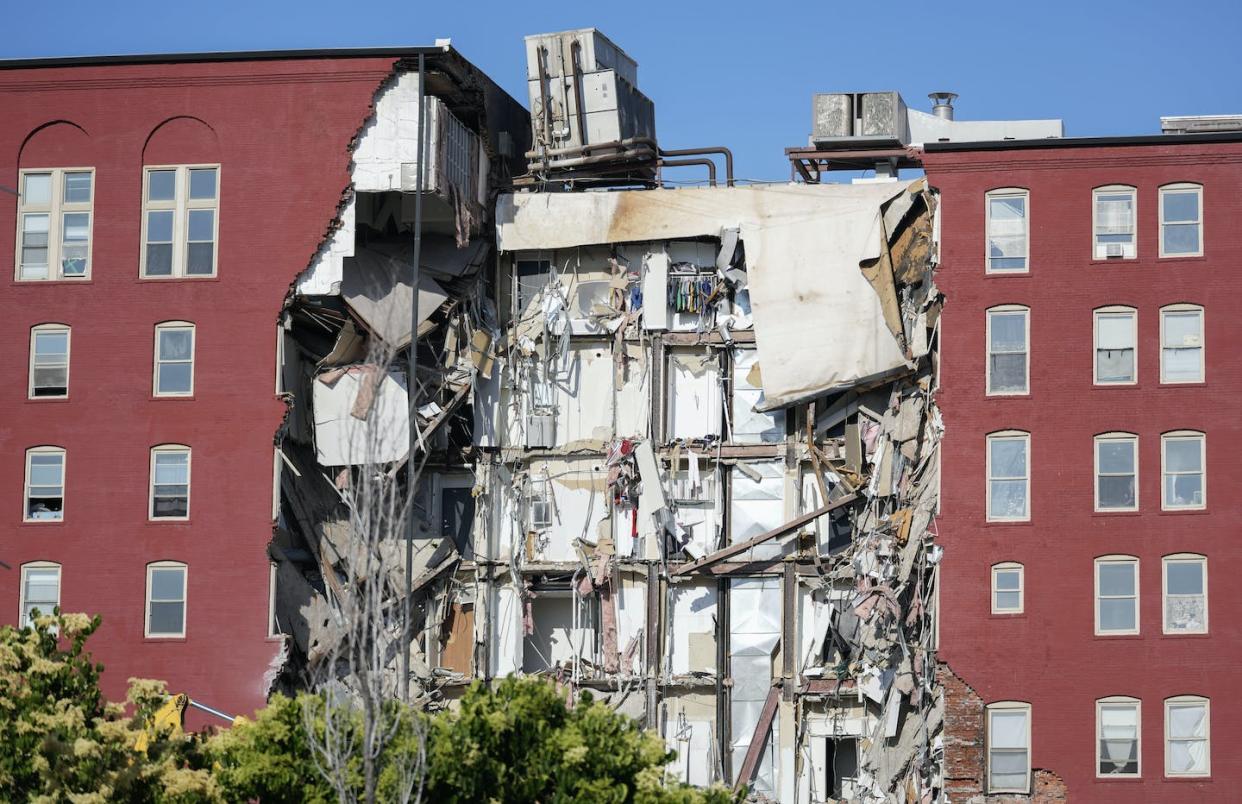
{"points": [[818, 323]]}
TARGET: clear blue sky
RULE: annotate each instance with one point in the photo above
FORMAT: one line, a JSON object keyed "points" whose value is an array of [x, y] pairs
{"points": [[741, 72]]}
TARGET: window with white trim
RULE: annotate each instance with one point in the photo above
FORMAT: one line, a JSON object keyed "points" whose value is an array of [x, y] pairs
{"points": [[1008, 370], [1009, 229], [1116, 595], [54, 223], [170, 482], [1009, 476], [1181, 220], [1185, 594], [1114, 215], [166, 599], [174, 359], [40, 590], [1116, 472], [1187, 736], [1009, 747], [273, 624], [49, 361], [1007, 588], [1184, 484], [1181, 343], [45, 485], [1116, 342], [180, 221], [1117, 737]]}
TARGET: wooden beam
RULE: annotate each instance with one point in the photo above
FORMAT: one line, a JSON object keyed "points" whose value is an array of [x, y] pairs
{"points": [[759, 739], [742, 547]]}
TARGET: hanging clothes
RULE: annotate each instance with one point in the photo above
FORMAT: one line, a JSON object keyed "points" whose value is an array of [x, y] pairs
{"points": [[692, 293]]}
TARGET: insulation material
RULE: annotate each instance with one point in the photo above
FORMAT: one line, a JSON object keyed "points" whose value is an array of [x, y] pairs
{"points": [[804, 246], [560, 635], [506, 636], [631, 623], [757, 506], [692, 647], [633, 397], [578, 489], [344, 439], [690, 731], [754, 632], [583, 393], [748, 425], [693, 396]]}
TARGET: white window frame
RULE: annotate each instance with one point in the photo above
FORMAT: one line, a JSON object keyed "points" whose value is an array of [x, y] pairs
{"points": [[21, 602], [1113, 311], [1183, 558], [1117, 702], [55, 209], [1006, 192], [1099, 252], [1009, 566], [35, 331], [1006, 706], [173, 326], [1182, 309], [185, 605], [64, 462], [1183, 435], [1184, 700], [170, 449], [180, 206], [273, 627], [1181, 187], [1003, 435], [1009, 309], [1137, 597], [1104, 438]]}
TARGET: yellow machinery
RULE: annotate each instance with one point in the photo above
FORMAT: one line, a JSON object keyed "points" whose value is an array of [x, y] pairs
{"points": [[169, 719]]}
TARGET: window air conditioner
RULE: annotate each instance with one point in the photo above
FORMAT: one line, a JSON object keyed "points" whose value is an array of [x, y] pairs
{"points": [[541, 428], [1112, 250]]}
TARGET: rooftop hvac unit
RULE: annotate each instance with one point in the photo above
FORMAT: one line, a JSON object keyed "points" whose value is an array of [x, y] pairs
{"points": [[846, 119], [585, 102]]}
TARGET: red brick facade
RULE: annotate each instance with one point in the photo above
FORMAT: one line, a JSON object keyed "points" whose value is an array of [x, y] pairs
{"points": [[1049, 656]]}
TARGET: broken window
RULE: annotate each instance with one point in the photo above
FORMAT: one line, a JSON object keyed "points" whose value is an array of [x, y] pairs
{"points": [[54, 213], [1116, 333], [840, 767], [1187, 736], [1007, 588], [1116, 472], [1181, 343], [45, 484], [1008, 363], [1117, 729], [1114, 222], [1009, 747], [1008, 476], [170, 482], [1008, 230], [49, 361], [174, 359], [40, 590], [1185, 485], [179, 221], [1181, 220], [1185, 594], [166, 597], [1116, 595]]}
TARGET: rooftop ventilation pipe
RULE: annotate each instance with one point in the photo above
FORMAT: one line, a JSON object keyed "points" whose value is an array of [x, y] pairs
{"points": [[942, 104]]}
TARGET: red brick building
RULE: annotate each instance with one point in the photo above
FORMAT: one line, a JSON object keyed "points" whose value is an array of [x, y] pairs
{"points": [[1089, 510], [154, 212]]}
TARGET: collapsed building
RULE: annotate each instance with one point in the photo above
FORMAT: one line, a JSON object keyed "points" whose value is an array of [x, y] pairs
{"points": [[678, 447]]}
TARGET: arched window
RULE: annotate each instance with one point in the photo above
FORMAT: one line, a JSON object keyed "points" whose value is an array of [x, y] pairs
{"points": [[1118, 734], [1008, 230], [1181, 343], [170, 482], [1009, 747], [1181, 220], [1008, 588], [1187, 736], [1116, 345], [1116, 595], [1009, 337], [49, 362], [1009, 476], [166, 599], [173, 373], [1185, 588], [1115, 211], [1116, 472], [1183, 466], [45, 484], [40, 590]]}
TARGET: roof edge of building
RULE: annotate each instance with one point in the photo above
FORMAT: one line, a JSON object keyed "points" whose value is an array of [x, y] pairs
{"points": [[1084, 142], [228, 55]]}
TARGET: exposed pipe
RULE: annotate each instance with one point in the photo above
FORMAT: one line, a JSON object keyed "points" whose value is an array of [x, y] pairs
{"points": [[545, 111], [709, 164], [593, 160], [411, 469], [715, 149], [575, 55]]}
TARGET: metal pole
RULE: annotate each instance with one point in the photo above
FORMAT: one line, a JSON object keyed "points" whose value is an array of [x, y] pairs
{"points": [[411, 471]]}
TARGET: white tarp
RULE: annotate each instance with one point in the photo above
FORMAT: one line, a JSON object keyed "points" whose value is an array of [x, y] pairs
{"points": [[818, 322]]}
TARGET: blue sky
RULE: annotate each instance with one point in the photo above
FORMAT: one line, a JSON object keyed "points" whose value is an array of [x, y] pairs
{"points": [[742, 74]]}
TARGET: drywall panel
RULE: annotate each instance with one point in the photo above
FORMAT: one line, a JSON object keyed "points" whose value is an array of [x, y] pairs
{"points": [[690, 730], [342, 438], [584, 394], [558, 637], [631, 623], [506, 642], [692, 647], [633, 405], [693, 395], [580, 507]]}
